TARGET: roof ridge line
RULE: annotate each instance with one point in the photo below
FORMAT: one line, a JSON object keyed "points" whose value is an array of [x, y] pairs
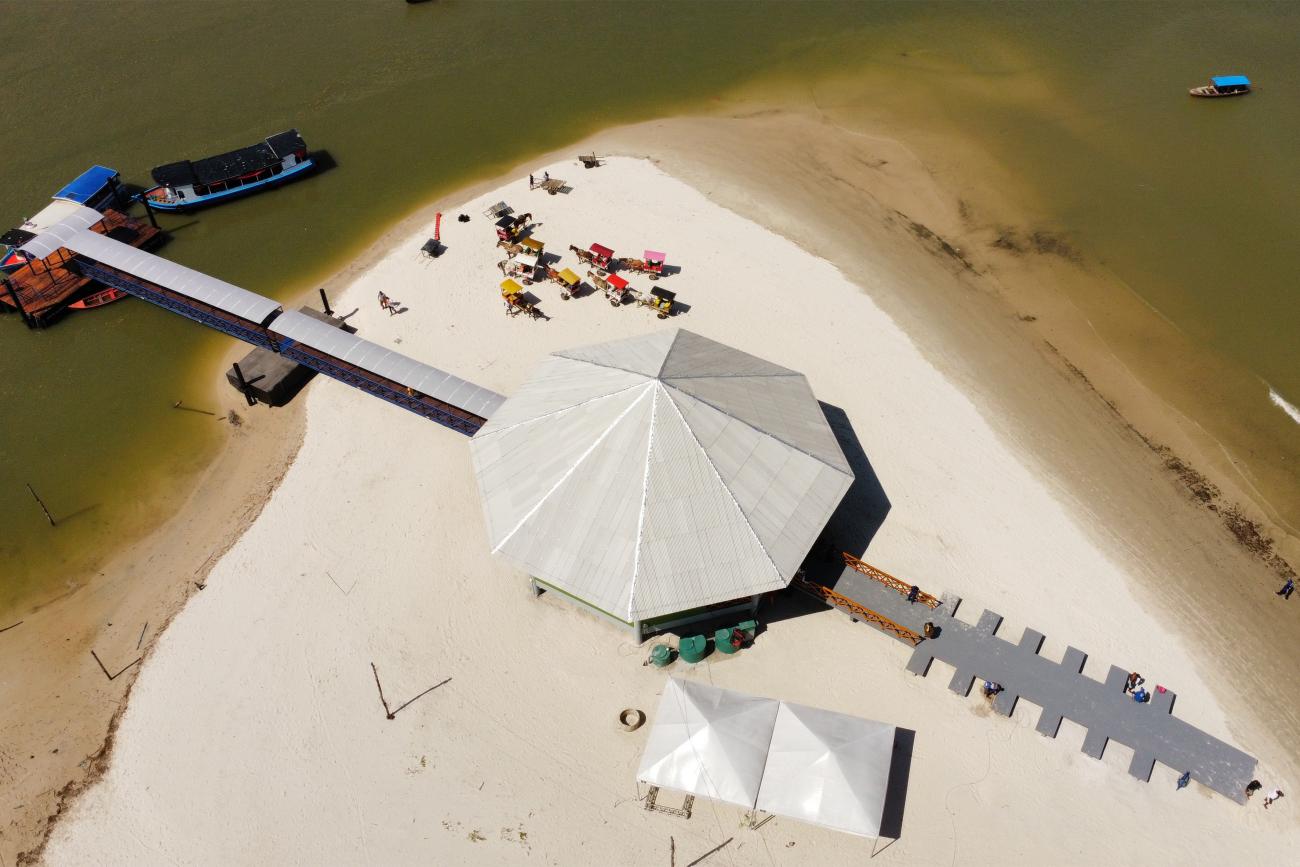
{"points": [[645, 496], [664, 363], [563, 408], [598, 363], [735, 375], [564, 478], [771, 435], [744, 518]]}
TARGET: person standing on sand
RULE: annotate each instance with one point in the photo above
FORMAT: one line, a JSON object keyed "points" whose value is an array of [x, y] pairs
{"points": [[1252, 787], [530, 182], [1272, 796], [384, 303], [1287, 589]]}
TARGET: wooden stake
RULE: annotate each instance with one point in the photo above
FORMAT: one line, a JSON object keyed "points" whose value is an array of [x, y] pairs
{"points": [[710, 852], [325, 301], [41, 503]]}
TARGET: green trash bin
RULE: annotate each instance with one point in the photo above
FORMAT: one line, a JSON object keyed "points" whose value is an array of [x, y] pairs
{"points": [[693, 648], [749, 627], [661, 655], [722, 641]]}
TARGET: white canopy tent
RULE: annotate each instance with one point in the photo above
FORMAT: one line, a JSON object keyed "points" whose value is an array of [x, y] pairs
{"points": [[806, 763], [827, 769], [709, 741]]}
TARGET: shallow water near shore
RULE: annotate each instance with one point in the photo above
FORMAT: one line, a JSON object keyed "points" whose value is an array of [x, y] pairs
{"points": [[1185, 200]]}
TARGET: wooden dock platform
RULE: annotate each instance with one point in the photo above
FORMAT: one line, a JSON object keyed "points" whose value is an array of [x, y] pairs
{"points": [[42, 290], [271, 378]]}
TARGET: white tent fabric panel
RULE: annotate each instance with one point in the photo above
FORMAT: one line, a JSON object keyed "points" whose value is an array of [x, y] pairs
{"points": [[827, 769], [806, 763], [710, 742]]}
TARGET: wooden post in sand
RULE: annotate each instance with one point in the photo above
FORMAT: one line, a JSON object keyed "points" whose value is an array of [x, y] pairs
{"points": [[326, 302], [41, 503]]}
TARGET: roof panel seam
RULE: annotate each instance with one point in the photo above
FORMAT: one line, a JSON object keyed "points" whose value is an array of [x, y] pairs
{"points": [[770, 435], [569, 472], [645, 495], [743, 517]]}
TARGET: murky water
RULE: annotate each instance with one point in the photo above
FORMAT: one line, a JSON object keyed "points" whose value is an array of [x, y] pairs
{"points": [[1187, 200]]}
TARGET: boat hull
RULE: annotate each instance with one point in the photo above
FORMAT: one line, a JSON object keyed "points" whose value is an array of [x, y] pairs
{"points": [[194, 203], [99, 299], [1211, 93]]}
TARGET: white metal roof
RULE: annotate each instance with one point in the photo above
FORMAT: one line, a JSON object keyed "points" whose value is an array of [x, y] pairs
{"points": [[709, 741], [58, 211], [385, 362], [806, 763], [828, 769], [73, 232], [657, 474]]}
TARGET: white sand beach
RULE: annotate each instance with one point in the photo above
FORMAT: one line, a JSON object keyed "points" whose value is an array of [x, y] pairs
{"points": [[255, 734]]}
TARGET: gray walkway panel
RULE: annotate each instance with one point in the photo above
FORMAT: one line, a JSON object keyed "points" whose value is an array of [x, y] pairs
{"points": [[1060, 688]]}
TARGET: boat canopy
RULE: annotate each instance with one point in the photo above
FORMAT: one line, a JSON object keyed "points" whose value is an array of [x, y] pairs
{"points": [[654, 256], [601, 250], [532, 244], [1230, 81], [569, 277], [88, 185], [510, 287], [616, 281], [235, 164]]}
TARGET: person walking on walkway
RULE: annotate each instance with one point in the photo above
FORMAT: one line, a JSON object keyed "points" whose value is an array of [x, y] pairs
{"points": [[1272, 796], [1287, 589], [913, 593], [1134, 681], [1184, 779]]}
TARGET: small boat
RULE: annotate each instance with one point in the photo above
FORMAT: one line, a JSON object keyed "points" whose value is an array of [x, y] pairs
{"points": [[186, 185], [98, 187], [1223, 85], [99, 299]]}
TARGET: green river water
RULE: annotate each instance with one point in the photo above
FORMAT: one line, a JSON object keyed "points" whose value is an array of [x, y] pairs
{"points": [[1188, 201]]}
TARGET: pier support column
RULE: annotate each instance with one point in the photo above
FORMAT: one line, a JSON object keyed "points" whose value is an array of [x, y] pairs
{"points": [[18, 304]]}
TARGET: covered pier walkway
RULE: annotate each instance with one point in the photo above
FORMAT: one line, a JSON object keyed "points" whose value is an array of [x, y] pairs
{"points": [[263, 322]]}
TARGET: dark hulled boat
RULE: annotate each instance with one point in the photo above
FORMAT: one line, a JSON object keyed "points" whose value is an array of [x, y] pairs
{"points": [[185, 185]]}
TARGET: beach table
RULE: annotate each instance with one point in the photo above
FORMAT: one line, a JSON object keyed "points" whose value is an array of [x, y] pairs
{"points": [[552, 186]]}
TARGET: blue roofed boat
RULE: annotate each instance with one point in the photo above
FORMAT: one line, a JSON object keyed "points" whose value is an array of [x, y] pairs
{"points": [[186, 185], [1223, 85], [96, 188]]}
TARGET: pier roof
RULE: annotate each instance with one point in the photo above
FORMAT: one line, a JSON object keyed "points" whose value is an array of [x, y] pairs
{"points": [[73, 233]]}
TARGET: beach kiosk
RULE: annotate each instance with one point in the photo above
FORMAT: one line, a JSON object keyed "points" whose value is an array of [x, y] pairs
{"points": [[659, 480]]}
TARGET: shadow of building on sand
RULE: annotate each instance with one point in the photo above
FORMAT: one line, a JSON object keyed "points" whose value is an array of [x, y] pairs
{"points": [[851, 527]]}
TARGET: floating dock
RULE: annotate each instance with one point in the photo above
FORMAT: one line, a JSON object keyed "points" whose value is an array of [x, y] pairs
{"points": [[1060, 689], [273, 379], [41, 290]]}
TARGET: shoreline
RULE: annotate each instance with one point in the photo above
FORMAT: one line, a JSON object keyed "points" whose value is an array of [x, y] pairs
{"points": [[786, 216]]}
